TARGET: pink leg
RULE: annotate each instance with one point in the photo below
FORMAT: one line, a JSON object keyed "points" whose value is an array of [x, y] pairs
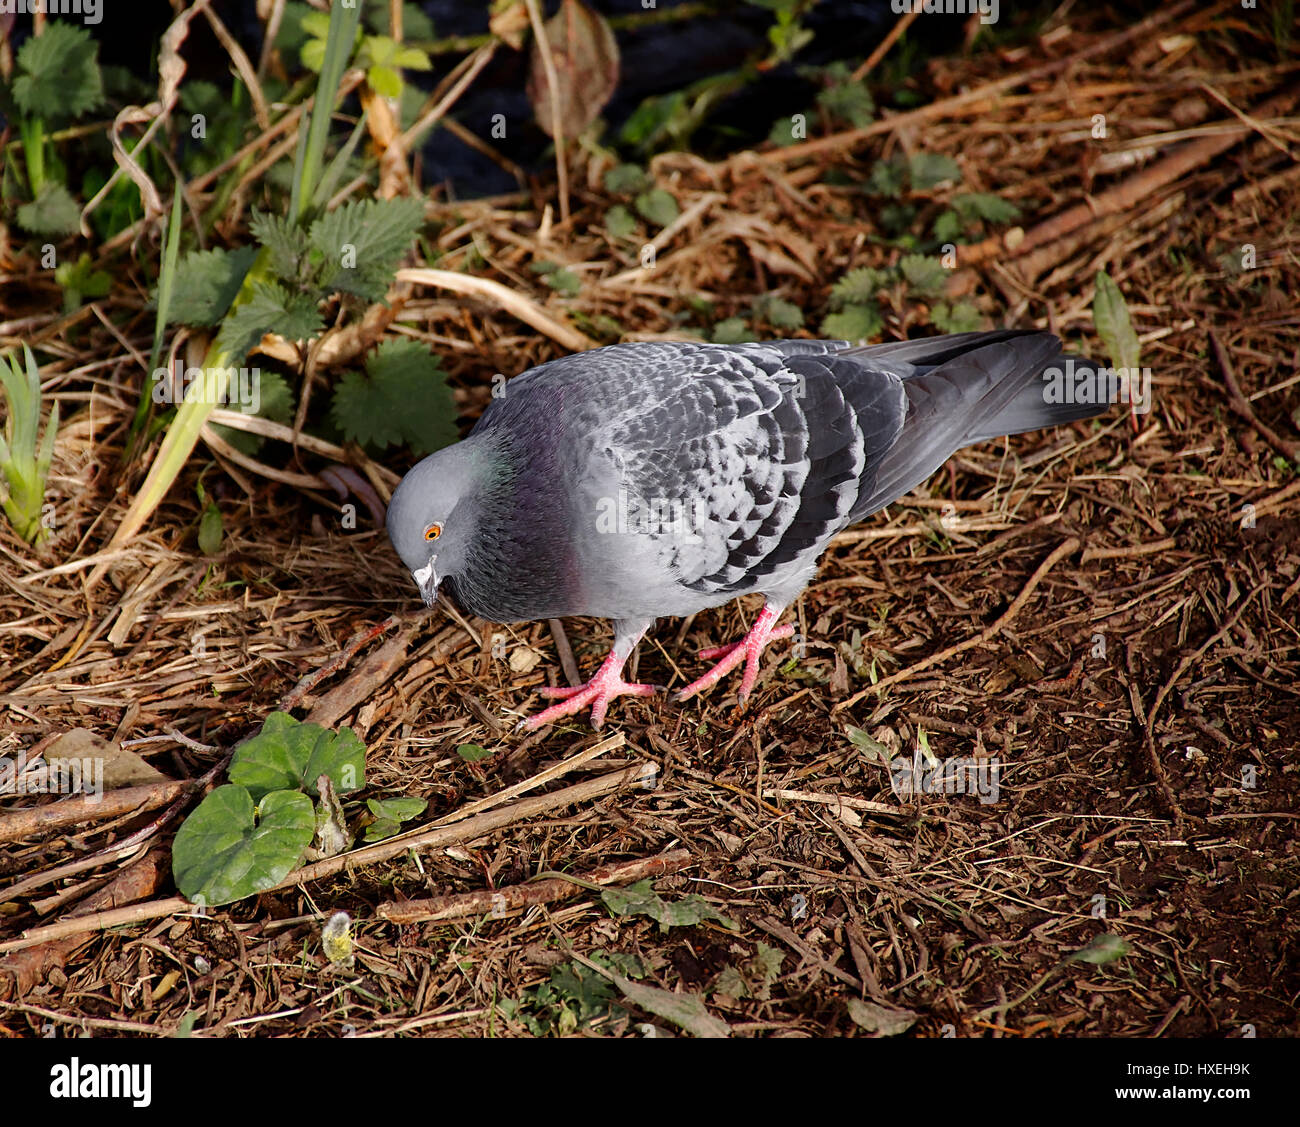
{"points": [[748, 650], [607, 684]]}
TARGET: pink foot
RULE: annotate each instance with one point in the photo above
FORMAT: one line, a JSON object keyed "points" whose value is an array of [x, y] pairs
{"points": [[607, 684], [748, 650]]}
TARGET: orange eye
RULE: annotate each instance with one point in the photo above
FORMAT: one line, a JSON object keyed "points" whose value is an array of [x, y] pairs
{"points": [[433, 531]]}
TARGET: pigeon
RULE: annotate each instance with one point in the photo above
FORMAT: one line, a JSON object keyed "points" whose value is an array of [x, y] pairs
{"points": [[645, 480]]}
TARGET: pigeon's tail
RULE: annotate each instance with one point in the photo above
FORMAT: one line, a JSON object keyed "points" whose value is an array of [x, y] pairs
{"points": [[967, 388]]}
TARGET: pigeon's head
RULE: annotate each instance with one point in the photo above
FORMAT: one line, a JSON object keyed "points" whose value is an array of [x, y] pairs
{"points": [[432, 517]]}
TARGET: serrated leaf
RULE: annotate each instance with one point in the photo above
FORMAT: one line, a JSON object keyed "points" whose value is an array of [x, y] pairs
{"points": [[985, 205], [925, 276], [658, 206], [60, 77], [887, 178], [619, 222], [362, 242], [228, 849], [779, 313], [928, 170], [284, 239], [402, 398], [853, 324], [206, 283], [270, 308], [948, 227], [732, 331], [848, 100], [640, 899], [860, 287], [53, 212], [289, 754], [626, 179], [1110, 316], [960, 317], [274, 401]]}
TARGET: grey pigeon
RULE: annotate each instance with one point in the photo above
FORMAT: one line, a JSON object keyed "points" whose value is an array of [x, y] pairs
{"points": [[644, 480]]}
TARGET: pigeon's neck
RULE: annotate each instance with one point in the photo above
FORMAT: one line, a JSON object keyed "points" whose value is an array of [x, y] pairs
{"points": [[518, 565]]}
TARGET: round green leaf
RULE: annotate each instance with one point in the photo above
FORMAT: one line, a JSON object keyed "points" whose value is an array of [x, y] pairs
{"points": [[289, 755], [227, 849]]}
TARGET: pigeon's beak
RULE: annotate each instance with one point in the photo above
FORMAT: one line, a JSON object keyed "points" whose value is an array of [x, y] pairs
{"points": [[427, 580]]}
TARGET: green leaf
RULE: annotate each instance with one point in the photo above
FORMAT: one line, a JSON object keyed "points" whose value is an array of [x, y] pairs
{"points": [[79, 279], [401, 809], [385, 81], [869, 745], [658, 206], [1100, 950], [779, 313], [782, 132], [288, 754], [472, 753], [732, 331], [985, 205], [210, 530], [960, 317], [686, 1011], [886, 179], [53, 212], [284, 239], [925, 276], [846, 99], [855, 323], [948, 227], [626, 180], [402, 398], [24, 467], [565, 282], [228, 849], [274, 402], [206, 283], [640, 899], [362, 242], [860, 286], [1110, 316], [880, 1020], [60, 77], [270, 308], [619, 222], [928, 170]]}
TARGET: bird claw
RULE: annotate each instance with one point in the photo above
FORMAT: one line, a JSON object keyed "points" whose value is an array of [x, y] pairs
{"points": [[607, 684], [749, 649]]}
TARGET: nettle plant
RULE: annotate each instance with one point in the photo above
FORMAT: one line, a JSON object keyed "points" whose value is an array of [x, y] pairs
{"points": [[280, 806], [918, 191]]}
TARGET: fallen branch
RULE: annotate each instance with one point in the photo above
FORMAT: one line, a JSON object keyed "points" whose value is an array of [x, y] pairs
{"points": [[497, 902]]}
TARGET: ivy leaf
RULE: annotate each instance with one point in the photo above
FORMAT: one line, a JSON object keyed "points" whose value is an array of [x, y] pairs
{"points": [[53, 212], [403, 397], [206, 283], [389, 814], [60, 77], [658, 206], [929, 170], [362, 242], [290, 755], [925, 276], [855, 323], [270, 308], [472, 753]]}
